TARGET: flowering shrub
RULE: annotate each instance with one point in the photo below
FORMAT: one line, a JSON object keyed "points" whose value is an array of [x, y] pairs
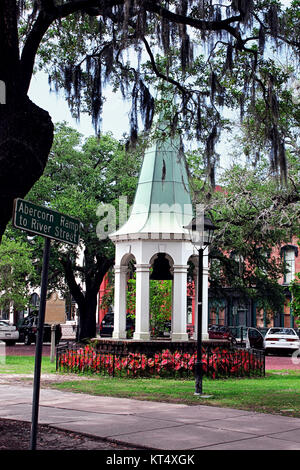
{"points": [[216, 363]]}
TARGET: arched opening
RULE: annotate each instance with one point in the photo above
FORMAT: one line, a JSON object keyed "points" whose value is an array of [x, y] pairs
{"points": [[128, 264], [161, 295], [130, 297], [123, 309]]}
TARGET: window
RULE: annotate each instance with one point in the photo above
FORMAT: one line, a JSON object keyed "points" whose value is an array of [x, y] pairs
{"points": [[289, 265], [239, 259], [35, 300], [34, 303]]}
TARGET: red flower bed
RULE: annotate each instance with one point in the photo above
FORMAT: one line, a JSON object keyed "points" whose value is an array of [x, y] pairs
{"points": [[216, 363]]}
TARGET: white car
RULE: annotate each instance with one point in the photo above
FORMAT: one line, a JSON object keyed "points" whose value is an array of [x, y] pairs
{"points": [[278, 338], [8, 333]]}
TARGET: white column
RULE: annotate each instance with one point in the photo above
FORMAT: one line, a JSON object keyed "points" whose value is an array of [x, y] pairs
{"points": [[142, 330], [120, 302], [179, 307]]}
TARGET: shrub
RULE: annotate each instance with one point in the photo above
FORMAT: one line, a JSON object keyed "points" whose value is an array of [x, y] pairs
{"points": [[217, 362]]}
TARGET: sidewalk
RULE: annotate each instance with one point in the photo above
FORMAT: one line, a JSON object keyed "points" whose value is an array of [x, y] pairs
{"points": [[153, 425]]}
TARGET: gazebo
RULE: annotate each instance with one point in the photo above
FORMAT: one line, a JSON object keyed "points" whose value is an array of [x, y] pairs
{"points": [[154, 236]]}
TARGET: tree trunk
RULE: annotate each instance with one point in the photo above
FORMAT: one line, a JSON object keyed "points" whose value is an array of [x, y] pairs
{"points": [[26, 135], [87, 302], [87, 317], [26, 131]]}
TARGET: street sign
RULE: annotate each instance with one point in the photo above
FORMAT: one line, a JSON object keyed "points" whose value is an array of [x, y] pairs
{"points": [[45, 222]]}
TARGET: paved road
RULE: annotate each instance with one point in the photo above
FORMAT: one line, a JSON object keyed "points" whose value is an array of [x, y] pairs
{"points": [[282, 362], [22, 350]]}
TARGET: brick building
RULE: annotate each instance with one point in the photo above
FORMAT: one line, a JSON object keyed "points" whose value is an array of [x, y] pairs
{"points": [[233, 311]]}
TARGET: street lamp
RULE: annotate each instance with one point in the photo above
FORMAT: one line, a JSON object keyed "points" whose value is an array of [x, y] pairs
{"points": [[201, 237]]}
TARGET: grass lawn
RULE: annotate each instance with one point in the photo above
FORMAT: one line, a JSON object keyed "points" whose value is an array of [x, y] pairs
{"points": [[277, 392], [25, 365], [273, 394]]}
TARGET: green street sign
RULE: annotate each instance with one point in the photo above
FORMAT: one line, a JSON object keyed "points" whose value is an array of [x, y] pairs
{"points": [[45, 222]]}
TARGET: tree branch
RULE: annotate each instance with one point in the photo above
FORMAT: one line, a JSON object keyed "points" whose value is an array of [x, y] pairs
{"points": [[47, 15], [31, 46], [72, 284], [158, 73], [203, 25]]}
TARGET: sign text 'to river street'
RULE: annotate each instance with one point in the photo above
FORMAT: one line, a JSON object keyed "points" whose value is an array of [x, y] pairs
{"points": [[46, 222]]}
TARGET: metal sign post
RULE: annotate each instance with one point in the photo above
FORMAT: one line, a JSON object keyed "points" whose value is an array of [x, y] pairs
{"points": [[51, 225], [39, 346]]}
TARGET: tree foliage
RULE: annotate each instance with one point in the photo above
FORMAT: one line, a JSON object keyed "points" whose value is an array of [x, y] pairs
{"points": [[160, 303], [17, 272], [211, 54], [254, 215], [295, 293]]}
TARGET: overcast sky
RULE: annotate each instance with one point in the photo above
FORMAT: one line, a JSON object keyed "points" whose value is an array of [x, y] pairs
{"points": [[115, 118], [115, 111], [115, 114]]}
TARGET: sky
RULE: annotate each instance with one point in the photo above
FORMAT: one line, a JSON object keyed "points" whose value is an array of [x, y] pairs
{"points": [[115, 111]]}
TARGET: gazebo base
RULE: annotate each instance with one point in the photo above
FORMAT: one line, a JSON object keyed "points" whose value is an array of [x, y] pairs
{"points": [[152, 346]]}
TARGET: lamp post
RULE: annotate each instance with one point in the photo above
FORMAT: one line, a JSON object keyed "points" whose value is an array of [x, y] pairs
{"points": [[200, 239]]}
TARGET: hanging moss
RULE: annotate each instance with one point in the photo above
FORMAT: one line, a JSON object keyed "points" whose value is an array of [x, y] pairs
{"points": [[261, 38], [244, 7], [272, 19], [147, 105], [97, 101], [229, 59], [112, 29]]}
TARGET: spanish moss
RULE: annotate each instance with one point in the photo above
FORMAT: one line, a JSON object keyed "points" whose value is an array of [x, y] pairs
{"points": [[177, 34]]}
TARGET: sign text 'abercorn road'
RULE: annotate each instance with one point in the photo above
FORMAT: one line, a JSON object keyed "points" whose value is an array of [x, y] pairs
{"points": [[46, 222]]}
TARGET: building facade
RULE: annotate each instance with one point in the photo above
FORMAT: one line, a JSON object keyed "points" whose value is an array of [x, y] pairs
{"points": [[233, 311]]}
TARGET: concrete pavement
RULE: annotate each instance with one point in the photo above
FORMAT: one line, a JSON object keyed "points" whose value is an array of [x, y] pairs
{"points": [[153, 425]]}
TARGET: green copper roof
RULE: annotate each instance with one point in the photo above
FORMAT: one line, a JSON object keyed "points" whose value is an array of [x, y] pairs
{"points": [[162, 201]]}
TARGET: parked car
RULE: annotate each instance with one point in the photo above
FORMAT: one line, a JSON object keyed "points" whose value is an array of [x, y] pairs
{"points": [[276, 339], [8, 333], [161, 330], [28, 331], [220, 332], [107, 325], [254, 339], [283, 339]]}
